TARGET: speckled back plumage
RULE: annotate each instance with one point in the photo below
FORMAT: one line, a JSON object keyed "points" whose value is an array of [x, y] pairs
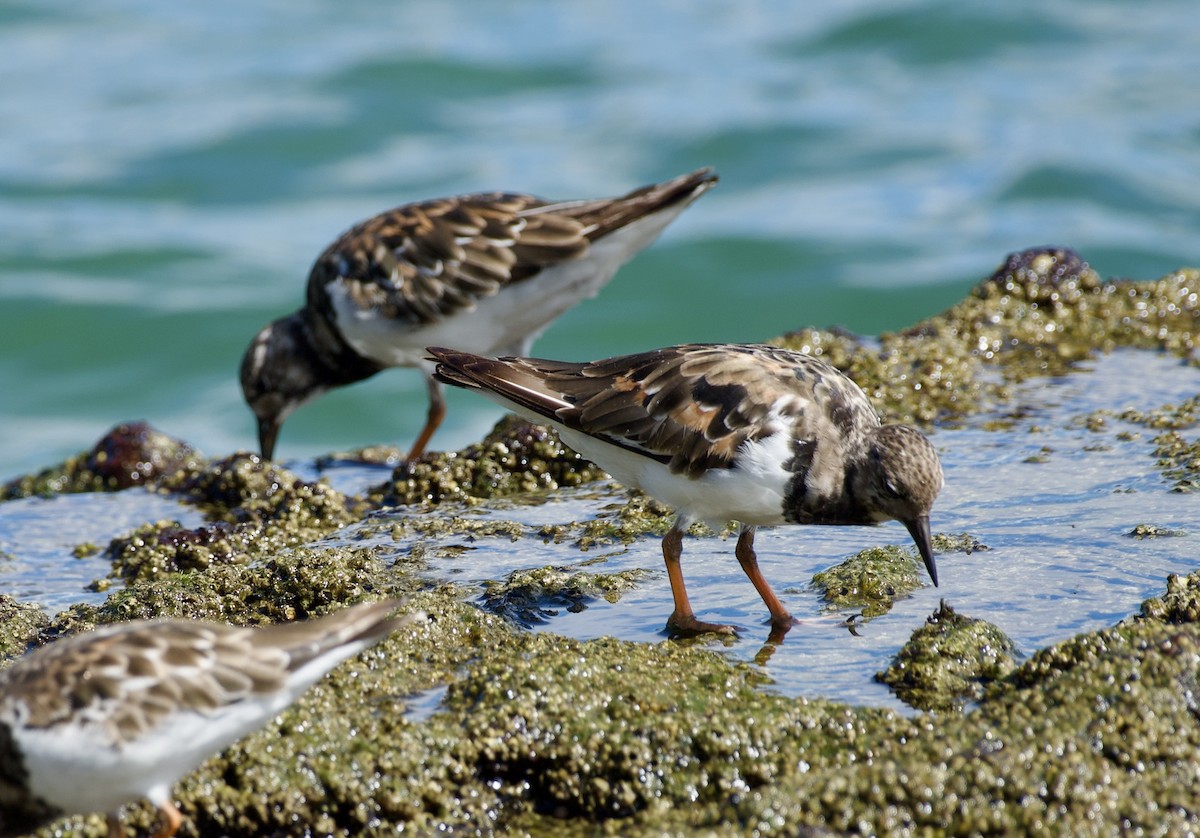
{"points": [[690, 406], [124, 682], [745, 432], [485, 271], [91, 699]]}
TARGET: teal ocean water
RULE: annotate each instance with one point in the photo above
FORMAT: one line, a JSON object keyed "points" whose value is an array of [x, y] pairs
{"points": [[169, 172]]}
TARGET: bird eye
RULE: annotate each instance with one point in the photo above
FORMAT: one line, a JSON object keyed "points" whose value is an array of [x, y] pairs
{"points": [[891, 489]]}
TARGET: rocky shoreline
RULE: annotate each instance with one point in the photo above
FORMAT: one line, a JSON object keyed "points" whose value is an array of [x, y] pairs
{"points": [[541, 734]]}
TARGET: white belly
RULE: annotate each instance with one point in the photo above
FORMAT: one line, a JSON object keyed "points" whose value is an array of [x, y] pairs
{"points": [[750, 493]]}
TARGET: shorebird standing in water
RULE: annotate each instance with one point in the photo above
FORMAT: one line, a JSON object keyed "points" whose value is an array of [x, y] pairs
{"points": [[721, 432], [486, 273]]}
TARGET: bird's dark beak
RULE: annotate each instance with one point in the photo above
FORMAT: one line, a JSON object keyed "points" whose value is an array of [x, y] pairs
{"points": [[918, 528], [268, 429]]}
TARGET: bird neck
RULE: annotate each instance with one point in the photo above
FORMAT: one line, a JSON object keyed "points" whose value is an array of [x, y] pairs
{"points": [[329, 355]]}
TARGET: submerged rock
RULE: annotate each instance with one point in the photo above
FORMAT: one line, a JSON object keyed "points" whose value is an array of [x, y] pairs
{"points": [[948, 661], [872, 580], [541, 734], [530, 597]]}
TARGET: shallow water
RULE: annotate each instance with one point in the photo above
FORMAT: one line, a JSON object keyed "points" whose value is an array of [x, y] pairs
{"points": [[39, 537], [168, 173], [1053, 502]]}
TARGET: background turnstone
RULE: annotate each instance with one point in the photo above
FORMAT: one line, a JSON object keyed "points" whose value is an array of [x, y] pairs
{"points": [[750, 433], [92, 722], [485, 273]]}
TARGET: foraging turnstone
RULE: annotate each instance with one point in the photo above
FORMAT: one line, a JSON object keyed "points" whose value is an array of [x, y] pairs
{"points": [[750, 433], [486, 273], [92, 722]]}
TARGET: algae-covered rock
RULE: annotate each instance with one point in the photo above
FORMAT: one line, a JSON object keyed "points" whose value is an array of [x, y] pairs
{"points": [[872, 580], [515, 457], [131, 454], [295, 584], [948, 661], [259, 509], [530, 597], [1042, 311], [1155, 531], [1179, 604], [20, 623], [540, 734], [1179, 460]]}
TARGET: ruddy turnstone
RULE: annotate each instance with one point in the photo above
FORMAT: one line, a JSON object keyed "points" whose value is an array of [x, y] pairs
{"points": [[486, 273], [749, 433], [92, 722]]}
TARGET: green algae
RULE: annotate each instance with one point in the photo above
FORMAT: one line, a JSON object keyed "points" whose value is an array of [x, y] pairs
{"points": [[949, 661], [1177, 457], [20, 623], [516, 457], [1155, 531], [547, 735], [257, 508], [295, 584], [130, 454], [531, 597], [1179, 460], [1040, 313], [872, 579], [543, 735], [1179, 604]]}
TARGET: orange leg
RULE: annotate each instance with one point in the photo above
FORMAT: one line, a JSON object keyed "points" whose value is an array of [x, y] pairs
{"points": [[780, 618], [683, 620], [437, 412], [171, 820]]}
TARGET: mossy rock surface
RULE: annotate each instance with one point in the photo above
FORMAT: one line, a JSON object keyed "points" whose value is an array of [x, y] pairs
{"points": [[949, 661], [536, 733]]}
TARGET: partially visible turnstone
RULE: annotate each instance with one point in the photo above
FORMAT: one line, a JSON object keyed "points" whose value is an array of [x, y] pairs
{"points": [[749, 433], [485, 273], [92, 722]]}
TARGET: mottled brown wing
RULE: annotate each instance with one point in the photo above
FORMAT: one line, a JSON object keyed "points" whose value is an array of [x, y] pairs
{"points": [[690, 406], [421, 262], [308, 639], [126, 679]]}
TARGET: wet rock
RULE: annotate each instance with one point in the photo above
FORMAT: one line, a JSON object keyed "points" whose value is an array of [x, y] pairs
{"points": [[20, 623], [297, 584], [1155, 531], [960, 543], [131, 454], [872, 580], [541, 734], [259, 508], [166, 547], [135, 454], [516, 457], [530, 597], [948, 661], [1042, 311], [1179, 604]]}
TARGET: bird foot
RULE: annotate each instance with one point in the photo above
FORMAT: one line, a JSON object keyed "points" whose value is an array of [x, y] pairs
{"points": [[688, 626]]}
